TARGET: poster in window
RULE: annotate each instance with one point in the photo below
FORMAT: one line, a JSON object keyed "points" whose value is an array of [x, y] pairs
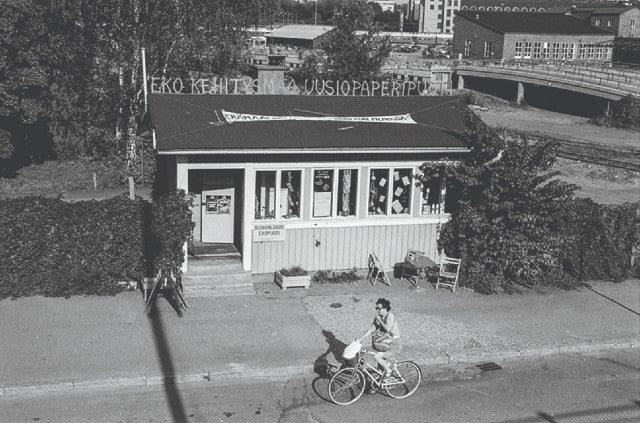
{"points": [[224, 204], [211, 204], [322, 204]]}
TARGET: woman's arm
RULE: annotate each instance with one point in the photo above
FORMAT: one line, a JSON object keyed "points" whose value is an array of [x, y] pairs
{"points": [[391, 318], [369, 332]]}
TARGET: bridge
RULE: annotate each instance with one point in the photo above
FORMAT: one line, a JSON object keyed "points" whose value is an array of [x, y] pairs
{"points": [[601, 80]]}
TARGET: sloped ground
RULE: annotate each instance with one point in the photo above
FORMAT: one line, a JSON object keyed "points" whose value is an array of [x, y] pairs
{"points": [[600, 183]]}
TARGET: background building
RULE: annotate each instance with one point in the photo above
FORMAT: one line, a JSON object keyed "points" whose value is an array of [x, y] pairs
{"points": [[303, 36], [622, 21], [437, 15], [529, 36]]}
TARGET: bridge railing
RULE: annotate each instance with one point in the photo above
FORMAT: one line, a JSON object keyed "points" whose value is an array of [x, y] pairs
{"points": [[622, 78]]}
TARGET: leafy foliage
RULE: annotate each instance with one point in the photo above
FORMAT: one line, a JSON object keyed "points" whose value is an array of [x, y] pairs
{"points": [[506, 227], [54, 248], [293, 271], [625, 113], [332, 276], [600, 240], [349, 56], [70, 71]]}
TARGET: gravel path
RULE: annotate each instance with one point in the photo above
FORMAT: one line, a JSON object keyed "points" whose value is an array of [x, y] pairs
{"points": [[351, 320]]}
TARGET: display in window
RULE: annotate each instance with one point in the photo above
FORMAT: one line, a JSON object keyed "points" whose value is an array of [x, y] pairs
{"points": [[401, 202], [347, 192], [265, 195], [433, 192], [378, 191], [290, 194], [322, 193]]}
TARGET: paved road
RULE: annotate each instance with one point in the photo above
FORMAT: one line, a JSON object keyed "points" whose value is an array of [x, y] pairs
{"points": [[568, 388]]}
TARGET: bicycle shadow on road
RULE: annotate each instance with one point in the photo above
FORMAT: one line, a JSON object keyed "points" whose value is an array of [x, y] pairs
{"points": [[325, 369], [336, 347]]}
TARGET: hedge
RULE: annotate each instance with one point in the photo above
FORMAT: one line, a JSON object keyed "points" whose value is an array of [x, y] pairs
{"points": [[602, 241], [53, 248]]}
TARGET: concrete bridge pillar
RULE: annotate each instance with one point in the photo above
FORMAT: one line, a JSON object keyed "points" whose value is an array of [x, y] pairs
{"points": [[460, 82], [520, 95]]}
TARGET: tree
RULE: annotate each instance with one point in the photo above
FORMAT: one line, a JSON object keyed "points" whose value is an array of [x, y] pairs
{"points": [[349, 55], [507, 225], [70, 70]]}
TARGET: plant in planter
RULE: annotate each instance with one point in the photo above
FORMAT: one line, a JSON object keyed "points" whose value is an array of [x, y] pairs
{"points": [[331, 276], [293, 277]]}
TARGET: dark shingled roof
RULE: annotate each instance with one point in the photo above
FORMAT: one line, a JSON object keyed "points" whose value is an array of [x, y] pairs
{"points": [[185, 122], [532, 23]]}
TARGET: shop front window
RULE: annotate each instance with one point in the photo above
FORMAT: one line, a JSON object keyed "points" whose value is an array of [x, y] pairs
{"points": [[347, 192], [322, 193], [290, 193], [378, 191], [433, 193], [401, 201], [265, 195]]}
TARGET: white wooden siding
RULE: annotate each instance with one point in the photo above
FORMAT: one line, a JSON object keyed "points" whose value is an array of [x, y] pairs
{"points": [[343, 247]]}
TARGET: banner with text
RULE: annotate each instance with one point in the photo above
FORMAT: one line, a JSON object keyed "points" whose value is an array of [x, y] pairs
{"points": [[231, 117]]}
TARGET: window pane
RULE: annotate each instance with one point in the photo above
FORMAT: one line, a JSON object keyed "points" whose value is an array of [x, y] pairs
{"points": [[265, 195], [290, 193], [322, 193], [378, 179], [431, 196], [347, 192], [401, 202]]}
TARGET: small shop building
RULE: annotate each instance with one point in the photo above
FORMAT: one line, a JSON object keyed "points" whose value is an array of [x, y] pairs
{"points": [[312, 181]]}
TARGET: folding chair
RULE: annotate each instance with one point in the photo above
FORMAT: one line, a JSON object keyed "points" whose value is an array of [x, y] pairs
{"points": [[376, 269], [409, 264], [448, 274]]}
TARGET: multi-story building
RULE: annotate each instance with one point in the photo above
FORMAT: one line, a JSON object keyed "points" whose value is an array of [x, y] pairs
{"points": [[437, 15], [529, 36], [623, 21]]}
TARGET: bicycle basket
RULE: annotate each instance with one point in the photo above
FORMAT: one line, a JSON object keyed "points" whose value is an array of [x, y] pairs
{"points": [[351, 350]]}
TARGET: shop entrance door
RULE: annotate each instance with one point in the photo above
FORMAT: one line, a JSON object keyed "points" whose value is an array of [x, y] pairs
{"points": [[218, 207]]}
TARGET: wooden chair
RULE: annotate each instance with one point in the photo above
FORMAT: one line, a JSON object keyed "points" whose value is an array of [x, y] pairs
{"points": [[409, 264], [376, 269], [448, 274]]}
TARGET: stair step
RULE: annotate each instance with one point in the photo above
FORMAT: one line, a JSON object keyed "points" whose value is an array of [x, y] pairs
{"points": [[191, 292], [208, 278], [216, 270]]}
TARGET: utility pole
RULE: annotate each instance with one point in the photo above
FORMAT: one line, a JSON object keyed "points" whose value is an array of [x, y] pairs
{"points": [[315, 15]]}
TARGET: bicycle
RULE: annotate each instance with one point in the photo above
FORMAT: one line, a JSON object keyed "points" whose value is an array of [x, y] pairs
{"points": [[348, 384]]}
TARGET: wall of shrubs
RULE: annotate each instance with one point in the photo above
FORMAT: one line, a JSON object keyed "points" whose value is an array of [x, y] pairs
{"points": [[53, 248]]}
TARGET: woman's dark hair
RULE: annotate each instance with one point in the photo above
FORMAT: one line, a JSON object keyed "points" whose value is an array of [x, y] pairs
{"points": [[384, 303]]}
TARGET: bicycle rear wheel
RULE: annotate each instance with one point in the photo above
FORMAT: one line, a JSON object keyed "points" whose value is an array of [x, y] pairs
{"points": [[346, 386], [408, 382]]}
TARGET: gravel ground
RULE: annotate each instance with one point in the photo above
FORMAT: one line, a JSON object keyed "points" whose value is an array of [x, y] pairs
{"points": [[432, 334]]}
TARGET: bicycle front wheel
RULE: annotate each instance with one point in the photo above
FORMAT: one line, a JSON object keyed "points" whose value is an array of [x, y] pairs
{"points": [[346, 386], [410, 377]]}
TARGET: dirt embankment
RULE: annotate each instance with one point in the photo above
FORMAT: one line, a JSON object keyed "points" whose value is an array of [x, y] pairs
{"points": [[602, 184]]}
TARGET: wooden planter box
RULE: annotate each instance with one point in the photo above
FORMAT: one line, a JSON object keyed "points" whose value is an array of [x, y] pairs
{"points": [[292, 281]]}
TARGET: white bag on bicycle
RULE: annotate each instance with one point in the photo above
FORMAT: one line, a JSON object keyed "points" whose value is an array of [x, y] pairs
{"points": [[351, 350]]}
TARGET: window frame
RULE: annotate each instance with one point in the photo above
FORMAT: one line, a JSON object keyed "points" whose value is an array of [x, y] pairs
{"points": [[526, 52], [334, 193], [388, 214], [278, 187], [517, 50]]}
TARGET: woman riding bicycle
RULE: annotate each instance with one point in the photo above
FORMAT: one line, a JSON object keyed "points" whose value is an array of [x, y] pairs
{"points": [[385, 335]]}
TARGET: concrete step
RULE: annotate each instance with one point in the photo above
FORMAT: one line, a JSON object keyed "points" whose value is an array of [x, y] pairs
{"points": [[213, 270], [209, 279], [201, 291]]}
